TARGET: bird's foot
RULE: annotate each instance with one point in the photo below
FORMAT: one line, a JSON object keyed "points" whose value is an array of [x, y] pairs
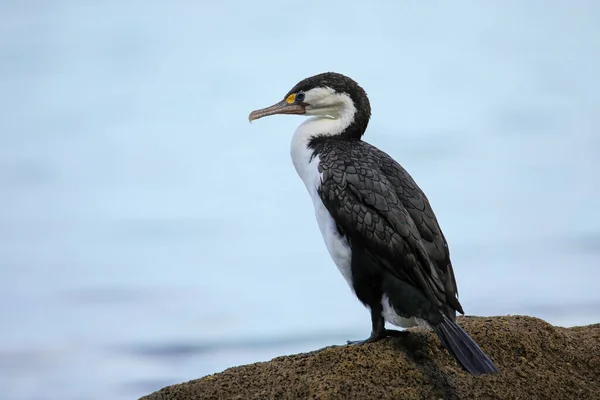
{"points": [[375, 336]]}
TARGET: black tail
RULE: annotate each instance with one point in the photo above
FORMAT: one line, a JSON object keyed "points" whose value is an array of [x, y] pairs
{"points": [[463, 348]]}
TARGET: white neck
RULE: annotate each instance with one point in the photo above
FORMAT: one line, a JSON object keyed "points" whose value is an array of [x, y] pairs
{"points": [[309, 129], [333, 113]]}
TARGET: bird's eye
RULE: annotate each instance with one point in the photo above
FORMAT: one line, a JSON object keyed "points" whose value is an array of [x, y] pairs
{"points": [[300, 97]]}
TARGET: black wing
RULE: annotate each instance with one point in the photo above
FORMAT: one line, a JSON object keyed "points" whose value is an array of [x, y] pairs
{"points": [[420, 210], [368, 205]]}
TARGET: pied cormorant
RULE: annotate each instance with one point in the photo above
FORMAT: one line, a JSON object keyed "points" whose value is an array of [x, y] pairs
{"points": [[377, 224]]}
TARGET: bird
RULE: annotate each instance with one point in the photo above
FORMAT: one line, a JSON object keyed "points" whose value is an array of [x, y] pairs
{"points": [[377, 224]]}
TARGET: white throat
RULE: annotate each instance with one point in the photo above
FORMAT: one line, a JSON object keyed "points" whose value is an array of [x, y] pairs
{"points": [[301, 154]]}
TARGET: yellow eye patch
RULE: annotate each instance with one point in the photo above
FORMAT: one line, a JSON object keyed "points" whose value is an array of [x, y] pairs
{"points": [[291, 98]]}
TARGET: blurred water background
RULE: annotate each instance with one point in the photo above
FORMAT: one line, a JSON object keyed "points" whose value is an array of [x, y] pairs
{"points": [[150, 235]]}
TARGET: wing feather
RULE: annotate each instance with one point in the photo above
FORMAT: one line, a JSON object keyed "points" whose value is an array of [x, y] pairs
{"points": [[376, 205]]}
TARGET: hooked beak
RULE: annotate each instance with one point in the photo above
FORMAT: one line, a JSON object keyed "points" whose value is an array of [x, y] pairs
{"points": [[280, 108]]}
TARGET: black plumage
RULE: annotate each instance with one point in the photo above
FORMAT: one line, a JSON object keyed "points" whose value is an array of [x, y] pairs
{"points": [[379, 207], [398, 250]]}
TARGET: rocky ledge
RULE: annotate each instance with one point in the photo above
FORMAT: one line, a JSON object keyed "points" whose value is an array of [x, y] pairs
{"points": [[536, 361]]}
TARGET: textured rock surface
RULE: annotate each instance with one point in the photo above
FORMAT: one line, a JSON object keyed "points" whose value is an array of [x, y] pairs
{"points": [[536, 361]]}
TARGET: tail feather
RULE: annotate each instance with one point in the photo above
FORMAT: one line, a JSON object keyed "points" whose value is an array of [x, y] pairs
{"points": [[463, 348]]}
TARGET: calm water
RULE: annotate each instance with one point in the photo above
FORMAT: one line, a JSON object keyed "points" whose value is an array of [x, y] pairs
{"points": [[149, 235]]}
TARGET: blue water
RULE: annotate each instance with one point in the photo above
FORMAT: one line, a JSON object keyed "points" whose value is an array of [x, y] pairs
{"points": [[150, 235]]}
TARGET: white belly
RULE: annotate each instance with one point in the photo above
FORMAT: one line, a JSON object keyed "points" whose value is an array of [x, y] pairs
{"points": [[307, 169], [338, 247]]}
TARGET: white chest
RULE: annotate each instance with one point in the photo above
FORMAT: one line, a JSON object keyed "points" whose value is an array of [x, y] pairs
{"points": [[308, 171]]}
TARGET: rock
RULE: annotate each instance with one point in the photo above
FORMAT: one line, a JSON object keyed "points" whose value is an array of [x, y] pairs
{"points": [[536, 361]]}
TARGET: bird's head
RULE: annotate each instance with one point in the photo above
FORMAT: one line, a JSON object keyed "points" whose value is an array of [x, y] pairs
{"points": [[327, 95]]}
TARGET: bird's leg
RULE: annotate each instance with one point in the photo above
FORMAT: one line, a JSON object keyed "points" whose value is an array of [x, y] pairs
{"points": [[378, 330]]}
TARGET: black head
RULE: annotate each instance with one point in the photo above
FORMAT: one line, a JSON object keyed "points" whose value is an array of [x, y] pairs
{"points": [[328, 94]]}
